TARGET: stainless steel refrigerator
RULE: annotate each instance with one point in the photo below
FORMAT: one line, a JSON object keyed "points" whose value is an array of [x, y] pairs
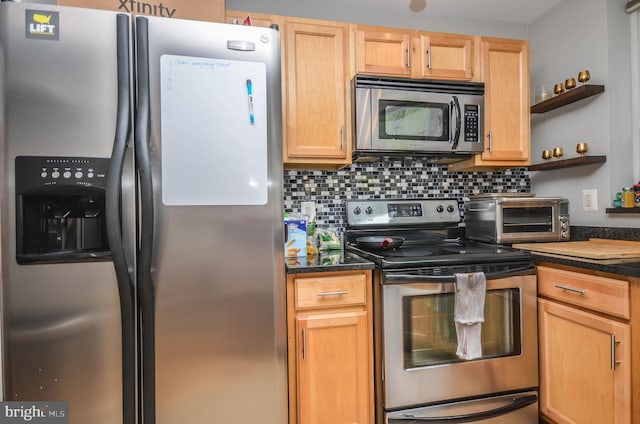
{"points": [[141, 217]]}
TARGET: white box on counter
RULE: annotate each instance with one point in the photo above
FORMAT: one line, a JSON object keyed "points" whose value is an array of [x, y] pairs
{"points": [[295, 240]]}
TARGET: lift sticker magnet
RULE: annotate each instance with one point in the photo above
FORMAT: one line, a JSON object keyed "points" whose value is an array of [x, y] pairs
{"points": [[42, 24]]}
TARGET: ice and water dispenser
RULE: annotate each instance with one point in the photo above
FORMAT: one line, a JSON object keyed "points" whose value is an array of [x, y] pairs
{"points": [[60, 209]]}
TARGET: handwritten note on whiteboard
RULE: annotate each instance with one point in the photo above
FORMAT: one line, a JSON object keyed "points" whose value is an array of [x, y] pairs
{"points": [[214, 131]]}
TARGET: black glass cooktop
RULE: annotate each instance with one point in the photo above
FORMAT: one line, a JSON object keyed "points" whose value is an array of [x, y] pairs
{"points": [[445, 253]]}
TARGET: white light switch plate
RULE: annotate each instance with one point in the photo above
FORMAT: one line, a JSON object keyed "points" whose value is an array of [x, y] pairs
{"points": [[590, 200]]}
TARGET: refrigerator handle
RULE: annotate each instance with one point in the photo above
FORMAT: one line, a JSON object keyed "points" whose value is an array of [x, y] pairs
{"points": [[145, 283], [114, 219]]}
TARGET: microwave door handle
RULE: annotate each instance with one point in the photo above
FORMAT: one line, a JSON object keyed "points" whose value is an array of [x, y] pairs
{"points": [[455, 105]]}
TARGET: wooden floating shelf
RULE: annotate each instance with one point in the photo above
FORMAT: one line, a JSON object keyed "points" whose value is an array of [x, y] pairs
{"points": [[567, 163], [623, 210], [569, 96]]}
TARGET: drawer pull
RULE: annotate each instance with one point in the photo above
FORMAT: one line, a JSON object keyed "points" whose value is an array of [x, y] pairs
{"points": [[613, 352], [571, 289], [333, 293]]}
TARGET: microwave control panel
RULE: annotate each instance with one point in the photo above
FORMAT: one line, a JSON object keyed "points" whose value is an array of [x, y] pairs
{"points": [[471, 119]]}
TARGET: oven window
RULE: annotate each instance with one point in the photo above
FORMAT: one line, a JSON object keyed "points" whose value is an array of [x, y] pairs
{"points": [[527, 220], [413, 120], [430, 332]]}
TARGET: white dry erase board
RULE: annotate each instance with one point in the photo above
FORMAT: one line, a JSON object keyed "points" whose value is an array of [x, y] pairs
{"points": [[212, 152]]}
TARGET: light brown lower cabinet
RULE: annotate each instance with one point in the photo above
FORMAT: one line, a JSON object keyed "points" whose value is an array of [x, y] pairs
{"points": [[330, 348], [585, 348]]}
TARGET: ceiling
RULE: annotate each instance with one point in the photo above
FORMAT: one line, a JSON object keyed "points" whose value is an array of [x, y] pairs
{"points": [[518, 11]]}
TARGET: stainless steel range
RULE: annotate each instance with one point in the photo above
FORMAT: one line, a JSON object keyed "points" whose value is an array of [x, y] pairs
{"points": [[419, 378]]}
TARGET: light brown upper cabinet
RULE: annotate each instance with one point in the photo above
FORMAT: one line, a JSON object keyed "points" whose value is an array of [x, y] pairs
{"points": [[446, 56], [317, 132], [505, 72], [385, 51]]}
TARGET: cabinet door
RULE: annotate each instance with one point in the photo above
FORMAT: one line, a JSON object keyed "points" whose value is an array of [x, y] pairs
{"points": [[383, 53], [505, 72], [506, 76], [446, 56], [585, 369], [315, 92], [333, 368]]}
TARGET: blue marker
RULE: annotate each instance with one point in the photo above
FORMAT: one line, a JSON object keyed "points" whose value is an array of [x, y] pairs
{"points": [[251, 116]]}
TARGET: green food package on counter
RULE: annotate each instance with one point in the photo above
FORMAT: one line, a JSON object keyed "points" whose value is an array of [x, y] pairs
{"points": [[328, 240]]}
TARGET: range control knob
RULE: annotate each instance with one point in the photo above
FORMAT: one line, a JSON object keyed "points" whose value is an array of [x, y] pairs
{"points": [[357, 210], [564, 225], [450, 209], [440, 209], [369, 210]]}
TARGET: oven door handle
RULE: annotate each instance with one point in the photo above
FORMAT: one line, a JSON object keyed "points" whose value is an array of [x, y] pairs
{"points": [[421, 278], [517, 402]]}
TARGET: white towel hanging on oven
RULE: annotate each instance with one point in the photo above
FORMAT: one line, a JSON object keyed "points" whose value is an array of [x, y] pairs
{"points": [[468, 313]]}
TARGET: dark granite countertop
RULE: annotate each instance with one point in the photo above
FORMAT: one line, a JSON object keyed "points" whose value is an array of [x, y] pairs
{"points": [[628, 269], [327, 262]]}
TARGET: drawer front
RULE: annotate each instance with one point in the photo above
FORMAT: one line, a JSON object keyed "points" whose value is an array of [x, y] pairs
{"points": [[601, 294], [322, 292]]}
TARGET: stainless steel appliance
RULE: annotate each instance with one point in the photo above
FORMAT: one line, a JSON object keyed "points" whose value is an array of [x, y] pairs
{"points": [[404, 117], [419, 377], [133, 198], [516, 217]]}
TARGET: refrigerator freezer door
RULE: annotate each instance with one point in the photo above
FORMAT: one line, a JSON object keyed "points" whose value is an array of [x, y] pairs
{"points": [[61, 321], [218, 273]]}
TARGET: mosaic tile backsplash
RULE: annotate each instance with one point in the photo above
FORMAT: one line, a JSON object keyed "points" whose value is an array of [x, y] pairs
{"points": [[390, 179]]}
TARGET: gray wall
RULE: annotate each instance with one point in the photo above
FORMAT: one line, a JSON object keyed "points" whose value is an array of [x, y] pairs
{"points": [[336, 11], [576, 35]]}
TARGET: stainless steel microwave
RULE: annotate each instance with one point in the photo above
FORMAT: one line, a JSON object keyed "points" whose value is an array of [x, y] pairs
{"points": [[509, 219], [406, 117]]}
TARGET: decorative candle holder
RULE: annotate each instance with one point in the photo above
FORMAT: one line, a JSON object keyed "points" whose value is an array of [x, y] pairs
{"points": [[558, 88], [584, 76], [582, 148], [570, 83]]}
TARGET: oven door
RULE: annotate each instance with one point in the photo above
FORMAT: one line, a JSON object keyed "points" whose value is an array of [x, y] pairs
{"points": [[420, 365]]}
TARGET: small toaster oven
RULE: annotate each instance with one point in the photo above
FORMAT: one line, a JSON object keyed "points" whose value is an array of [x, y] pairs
{"points": [[517, 218]]}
